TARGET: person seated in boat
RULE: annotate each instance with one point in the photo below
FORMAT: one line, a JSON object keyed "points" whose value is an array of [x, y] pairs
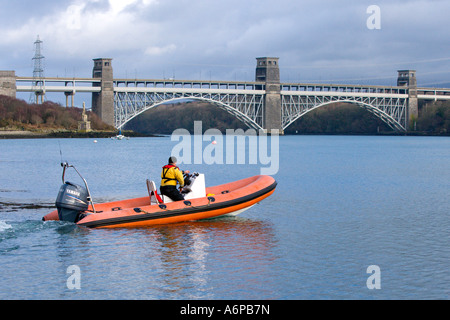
{"points": [[171, 175]]}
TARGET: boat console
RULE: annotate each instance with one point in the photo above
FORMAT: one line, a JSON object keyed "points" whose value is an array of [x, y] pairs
{"points": [[194, 188]]}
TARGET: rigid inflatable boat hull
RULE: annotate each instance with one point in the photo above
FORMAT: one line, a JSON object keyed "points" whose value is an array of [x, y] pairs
{"points": [[232, 198]]}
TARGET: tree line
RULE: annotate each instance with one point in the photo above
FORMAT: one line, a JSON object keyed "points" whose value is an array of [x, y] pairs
{"points": [[434, 118], [16, 114], [166, 118], [337, 118]]}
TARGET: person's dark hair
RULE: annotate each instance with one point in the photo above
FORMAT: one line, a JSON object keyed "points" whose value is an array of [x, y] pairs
{"points": [[172, 160]]}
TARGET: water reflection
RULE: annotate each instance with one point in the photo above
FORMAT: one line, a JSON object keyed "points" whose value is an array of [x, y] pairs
{"points": [[179, 261]]}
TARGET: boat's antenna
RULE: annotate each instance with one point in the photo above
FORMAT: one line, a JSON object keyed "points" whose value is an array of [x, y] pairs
{"points": [[60, 152], [63, 164]]}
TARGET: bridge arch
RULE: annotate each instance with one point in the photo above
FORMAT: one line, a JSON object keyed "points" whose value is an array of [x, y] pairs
{"points": [[122, 121], [381, 114]]}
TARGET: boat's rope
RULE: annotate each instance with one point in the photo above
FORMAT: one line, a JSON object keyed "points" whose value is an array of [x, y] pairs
{"points": [[187, 203]]}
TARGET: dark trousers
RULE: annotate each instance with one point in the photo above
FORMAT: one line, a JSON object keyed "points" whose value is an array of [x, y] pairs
{"points": [[172, 192]]}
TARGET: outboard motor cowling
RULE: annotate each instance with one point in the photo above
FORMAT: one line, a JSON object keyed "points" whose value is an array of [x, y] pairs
{"points": [[72, 202]]}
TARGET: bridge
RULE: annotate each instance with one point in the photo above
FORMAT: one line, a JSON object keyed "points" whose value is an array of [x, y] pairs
{"points": [[264, 104]]}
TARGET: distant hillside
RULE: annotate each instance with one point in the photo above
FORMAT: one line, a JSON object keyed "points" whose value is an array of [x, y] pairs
{"points": [[17, 114], [166, 118], [434, 118], [337, 118], [334, 119]]}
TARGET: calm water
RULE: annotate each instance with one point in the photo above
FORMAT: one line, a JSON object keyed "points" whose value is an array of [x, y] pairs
{"points": [[342, 204]]}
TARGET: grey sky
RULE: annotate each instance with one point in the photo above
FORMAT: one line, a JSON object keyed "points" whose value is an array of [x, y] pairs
{"points": [[191, 39]]}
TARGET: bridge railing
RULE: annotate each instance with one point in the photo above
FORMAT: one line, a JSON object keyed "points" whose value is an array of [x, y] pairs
{"points": [[343, 88], [66, 84], [187, 84], [433, 94], [56, 84]]}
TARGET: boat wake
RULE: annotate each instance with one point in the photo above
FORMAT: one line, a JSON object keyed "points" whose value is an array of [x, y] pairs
{"points": [[13, 206], [4, 226]]}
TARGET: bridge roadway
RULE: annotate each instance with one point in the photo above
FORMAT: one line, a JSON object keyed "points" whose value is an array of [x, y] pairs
{"points": [[63, 85], [73, 85], [243, 99]]}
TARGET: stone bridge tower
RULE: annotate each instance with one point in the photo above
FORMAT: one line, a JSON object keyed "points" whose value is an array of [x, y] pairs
{"points": [[8, 83], [407, 78], [268, 71], [103, 101]]}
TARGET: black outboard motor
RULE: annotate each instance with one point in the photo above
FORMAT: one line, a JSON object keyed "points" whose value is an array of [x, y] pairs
{"points": [[71, 202]]}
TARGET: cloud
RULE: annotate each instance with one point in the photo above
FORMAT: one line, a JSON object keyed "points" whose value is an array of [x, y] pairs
{"points": [[85, 29], [314, 39], [156, 51], [118, 6]]}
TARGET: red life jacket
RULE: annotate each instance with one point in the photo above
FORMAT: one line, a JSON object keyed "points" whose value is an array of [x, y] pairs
{"points": [[168, 166]]}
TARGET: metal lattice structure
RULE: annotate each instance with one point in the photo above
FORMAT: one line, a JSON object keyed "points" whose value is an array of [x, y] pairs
{"points": [[38, 71], [388, 103], [243, 100], [246, 100]]}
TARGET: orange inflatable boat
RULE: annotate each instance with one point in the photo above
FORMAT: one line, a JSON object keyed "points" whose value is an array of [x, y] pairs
{"points": [[74, 203]]}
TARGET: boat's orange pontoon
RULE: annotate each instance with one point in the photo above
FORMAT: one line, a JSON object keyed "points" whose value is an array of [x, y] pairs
{"points": [[200, 203]]}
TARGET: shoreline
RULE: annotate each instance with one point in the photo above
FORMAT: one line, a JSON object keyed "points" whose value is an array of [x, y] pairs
{"points": [[22, 134]]}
